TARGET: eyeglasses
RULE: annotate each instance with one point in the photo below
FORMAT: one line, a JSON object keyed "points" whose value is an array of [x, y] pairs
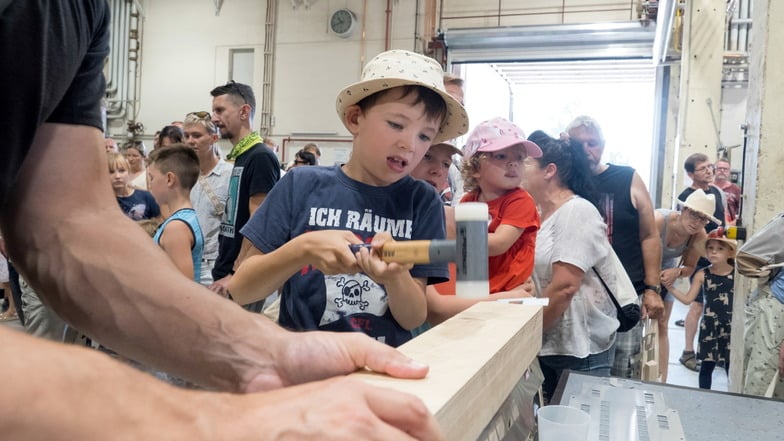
{"points": [[704, 168], [201, 115], [698, 217]]}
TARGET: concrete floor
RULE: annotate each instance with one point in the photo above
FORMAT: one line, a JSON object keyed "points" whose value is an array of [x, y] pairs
{"points": [[679, 374]]}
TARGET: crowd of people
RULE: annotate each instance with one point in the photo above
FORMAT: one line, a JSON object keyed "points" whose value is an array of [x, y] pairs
{"points": [[564, 225]]}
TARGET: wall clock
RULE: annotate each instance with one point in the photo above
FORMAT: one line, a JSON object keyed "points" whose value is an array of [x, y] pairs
{"points": [[342, 23]]}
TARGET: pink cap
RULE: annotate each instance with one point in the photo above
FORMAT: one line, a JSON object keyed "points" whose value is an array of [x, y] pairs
{"points": [[498, 134]]}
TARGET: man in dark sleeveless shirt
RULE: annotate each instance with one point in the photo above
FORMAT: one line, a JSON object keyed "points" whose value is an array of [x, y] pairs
{"points": [[626, 207]]}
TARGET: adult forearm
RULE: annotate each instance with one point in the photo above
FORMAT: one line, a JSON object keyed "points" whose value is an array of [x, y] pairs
{"points": [[103, 274], [560, 298], [124, 292], [114, 401], [651, 259]]}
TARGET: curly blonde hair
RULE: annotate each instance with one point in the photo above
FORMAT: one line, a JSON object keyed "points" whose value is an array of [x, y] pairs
{"points": [[468, 172]]}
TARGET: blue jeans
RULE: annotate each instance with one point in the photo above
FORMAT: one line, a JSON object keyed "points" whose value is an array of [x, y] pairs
{"points": [[597, 365]]}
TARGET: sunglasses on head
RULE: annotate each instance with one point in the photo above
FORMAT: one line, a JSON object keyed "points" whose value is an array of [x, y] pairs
{"points": [[201, 115], [231, 84]]}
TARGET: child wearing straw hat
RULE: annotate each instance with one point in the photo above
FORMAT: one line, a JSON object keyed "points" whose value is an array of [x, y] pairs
{"points": [[302, 233], [717, 283]]}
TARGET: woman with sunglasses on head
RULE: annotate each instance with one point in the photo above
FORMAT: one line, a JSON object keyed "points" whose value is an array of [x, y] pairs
{"points": [[682, 237], [211, 191]]}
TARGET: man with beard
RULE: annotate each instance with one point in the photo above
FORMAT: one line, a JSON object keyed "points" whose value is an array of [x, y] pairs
{"points": [[256, 170]]}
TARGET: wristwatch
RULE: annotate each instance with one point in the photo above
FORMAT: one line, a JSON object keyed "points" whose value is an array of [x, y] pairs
{"points": [[654, 288]]}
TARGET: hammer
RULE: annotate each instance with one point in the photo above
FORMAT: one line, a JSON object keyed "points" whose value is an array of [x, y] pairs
{"points": [[468, 250]]}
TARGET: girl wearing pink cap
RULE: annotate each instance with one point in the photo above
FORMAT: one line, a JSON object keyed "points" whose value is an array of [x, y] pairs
{"points": [[492, 172]]}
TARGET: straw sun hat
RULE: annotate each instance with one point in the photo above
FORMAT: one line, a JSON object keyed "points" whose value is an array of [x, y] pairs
{"points": [[402, 68], [450, 147], [702, 203], [718, 236]]}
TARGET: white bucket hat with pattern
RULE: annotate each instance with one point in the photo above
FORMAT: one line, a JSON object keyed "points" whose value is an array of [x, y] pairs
{"points": [[397, 68], [702, 203]]}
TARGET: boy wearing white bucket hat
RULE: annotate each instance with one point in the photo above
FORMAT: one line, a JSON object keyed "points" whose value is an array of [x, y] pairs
{"points": [[398, 109]]}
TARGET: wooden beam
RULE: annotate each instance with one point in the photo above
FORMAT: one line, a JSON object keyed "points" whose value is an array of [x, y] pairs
{"points": [[650, 351], [475, 359]]}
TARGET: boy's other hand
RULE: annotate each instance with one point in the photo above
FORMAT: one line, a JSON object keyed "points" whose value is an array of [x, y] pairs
{"points": [[371, 264], [329, 251]]}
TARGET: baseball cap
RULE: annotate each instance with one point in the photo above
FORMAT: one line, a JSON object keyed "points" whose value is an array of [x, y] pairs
{"points": [[497, 134]]}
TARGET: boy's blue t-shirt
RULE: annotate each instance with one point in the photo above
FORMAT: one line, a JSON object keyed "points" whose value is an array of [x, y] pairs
{"points": [[324, 198], [139, 205]]}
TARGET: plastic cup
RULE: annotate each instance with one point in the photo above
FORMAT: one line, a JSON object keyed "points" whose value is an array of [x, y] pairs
{"points": [[563, 423]]}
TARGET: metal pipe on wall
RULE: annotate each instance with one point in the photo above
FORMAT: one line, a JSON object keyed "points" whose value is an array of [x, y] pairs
{"points": [[111, 81], [417, 16], [128, 59], [134, 57], [732, 43], [125, 37], [270, 29], [363, 37], [388, 30], [116, 107], [743, 30]]}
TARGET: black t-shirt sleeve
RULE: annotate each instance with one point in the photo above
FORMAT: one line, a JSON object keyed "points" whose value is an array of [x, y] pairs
{"points": [[52, 56], [82, 101], [263, 172]]}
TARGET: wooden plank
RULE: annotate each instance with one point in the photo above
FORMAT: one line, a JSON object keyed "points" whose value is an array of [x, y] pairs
{"points": [[475, 359], [650, 351]]}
